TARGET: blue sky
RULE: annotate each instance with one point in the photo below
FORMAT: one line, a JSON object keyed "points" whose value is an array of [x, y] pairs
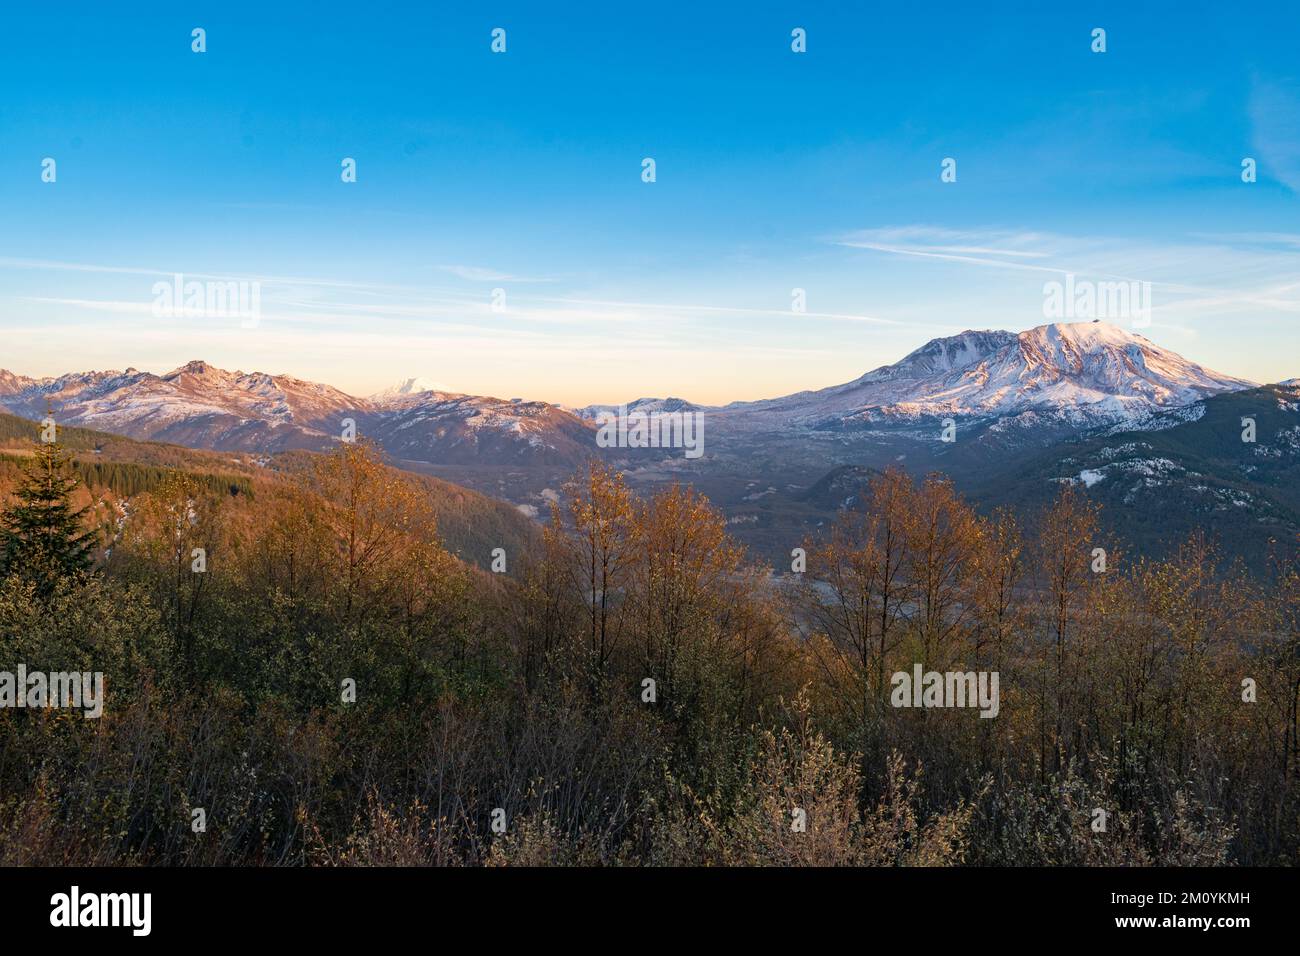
{"points": [[522, 171]]}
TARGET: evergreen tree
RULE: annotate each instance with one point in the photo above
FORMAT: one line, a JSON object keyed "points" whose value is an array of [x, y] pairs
{"points": [[41, 536]]}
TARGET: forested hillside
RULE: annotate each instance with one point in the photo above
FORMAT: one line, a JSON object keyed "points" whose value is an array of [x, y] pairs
{"points": [[333, 687], [1231, 467], [113, 469]]}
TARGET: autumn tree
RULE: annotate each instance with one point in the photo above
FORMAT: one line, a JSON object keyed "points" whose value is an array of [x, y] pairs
{"points": [[1065, 556], [541, 605], [173, 537], [855, 598], [289, 554], [999, 571], [370, 512], [679, 581], [942, 544], [603, 549]]}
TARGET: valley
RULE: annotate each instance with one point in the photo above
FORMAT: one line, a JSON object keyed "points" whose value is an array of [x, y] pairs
{"points": [[1006, 416]]}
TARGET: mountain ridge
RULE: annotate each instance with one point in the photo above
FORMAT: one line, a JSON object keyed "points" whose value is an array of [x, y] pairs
{"points": [[1066, 376]]}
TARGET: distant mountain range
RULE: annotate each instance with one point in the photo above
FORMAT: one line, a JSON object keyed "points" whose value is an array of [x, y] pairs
{"points": [[202, 406], [1135, 424], [1051, 378]]}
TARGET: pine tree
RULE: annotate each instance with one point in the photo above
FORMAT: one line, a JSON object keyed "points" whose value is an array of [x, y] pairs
{"points": [[41, 536]]}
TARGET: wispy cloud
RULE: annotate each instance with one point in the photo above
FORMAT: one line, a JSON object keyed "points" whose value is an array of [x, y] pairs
{"points": [[1284, 239], [1208, 272], [11, 262], [937, 239], [1275, 120], [479, 274]]}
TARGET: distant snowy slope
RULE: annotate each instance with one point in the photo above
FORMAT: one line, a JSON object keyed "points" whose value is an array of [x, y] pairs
{"points": [[1093, 371]]}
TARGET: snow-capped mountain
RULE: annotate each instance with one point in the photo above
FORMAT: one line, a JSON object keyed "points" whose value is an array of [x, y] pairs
{"points": [[1087, 373], [206, 407], [196, 404], [450, 429], [1031, 386], [406, 387], [647, 405], [11, 384]]}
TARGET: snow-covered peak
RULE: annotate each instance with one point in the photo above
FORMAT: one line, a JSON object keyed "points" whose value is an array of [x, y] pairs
{"points": [[410, 386], [1082, 370], [646, 405], [11, 383], [199, 375], [943, 355], [1093, 334], [197, 368]]}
